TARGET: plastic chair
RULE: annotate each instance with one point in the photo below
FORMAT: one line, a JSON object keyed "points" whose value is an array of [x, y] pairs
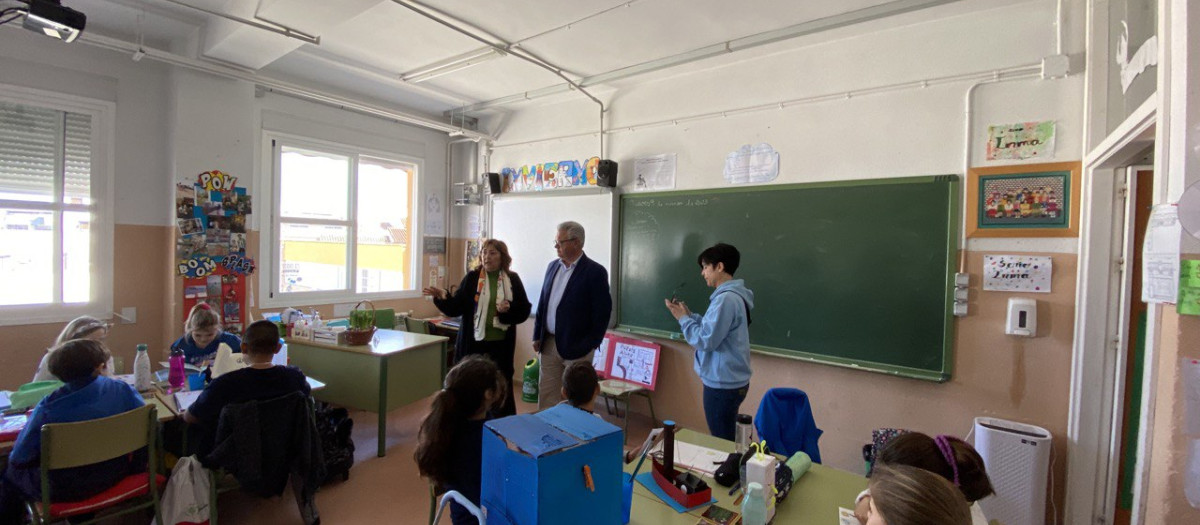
{"points": [[462, 500], [385, 318], [67, 445], [785, 421], [416, 326]]}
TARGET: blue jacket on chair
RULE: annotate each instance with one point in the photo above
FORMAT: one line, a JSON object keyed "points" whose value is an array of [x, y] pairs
{"points": [[785, 421]]}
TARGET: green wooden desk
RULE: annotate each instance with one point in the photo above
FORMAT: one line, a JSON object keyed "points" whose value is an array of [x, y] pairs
{"points": [[396, 369], [814, 499]]}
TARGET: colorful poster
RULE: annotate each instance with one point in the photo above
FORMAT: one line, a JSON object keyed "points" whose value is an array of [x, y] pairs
{"points": [[1023, 140], [211, 220], [1016, 273]]}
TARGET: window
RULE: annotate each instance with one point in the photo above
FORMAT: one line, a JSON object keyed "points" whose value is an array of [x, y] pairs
{"points": [[55, 236], [342, 225]]}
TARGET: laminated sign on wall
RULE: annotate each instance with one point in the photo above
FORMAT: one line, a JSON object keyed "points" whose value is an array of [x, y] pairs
{"points": [[1016, 273]]}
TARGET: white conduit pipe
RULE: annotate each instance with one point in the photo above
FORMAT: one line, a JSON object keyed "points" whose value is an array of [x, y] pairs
{"points": [[1012, 73]]}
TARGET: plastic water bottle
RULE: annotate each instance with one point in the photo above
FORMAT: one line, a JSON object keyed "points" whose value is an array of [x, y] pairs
{"points": [[176, 375], [754, 505], [141, 369], [745, 433]]}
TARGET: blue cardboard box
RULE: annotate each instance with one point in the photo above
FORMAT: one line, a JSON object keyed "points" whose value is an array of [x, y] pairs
{"points": [[533, 471]]}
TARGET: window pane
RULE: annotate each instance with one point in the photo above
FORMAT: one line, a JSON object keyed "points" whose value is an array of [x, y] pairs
{"points": [[30, 144], [312, 257], [26, 257], [77, 250], [77, 157], [313, 185], [383, 225]]}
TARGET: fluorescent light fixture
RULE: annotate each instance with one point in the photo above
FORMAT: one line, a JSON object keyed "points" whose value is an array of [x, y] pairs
{"points": [[49, 17], [452, 64]]}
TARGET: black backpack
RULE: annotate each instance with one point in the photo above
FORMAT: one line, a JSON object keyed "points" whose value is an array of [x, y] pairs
{"points": [[334, 426]]}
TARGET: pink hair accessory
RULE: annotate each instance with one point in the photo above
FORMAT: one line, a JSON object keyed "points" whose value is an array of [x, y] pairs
{"points": [[204, 306], [943, 444]]}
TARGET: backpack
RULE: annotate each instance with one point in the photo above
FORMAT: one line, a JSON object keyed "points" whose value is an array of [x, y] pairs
{"points": [[334, 426]]}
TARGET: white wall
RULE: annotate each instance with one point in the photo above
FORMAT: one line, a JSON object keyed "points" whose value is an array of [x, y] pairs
{"points": [[140, 91], [914, 131]]}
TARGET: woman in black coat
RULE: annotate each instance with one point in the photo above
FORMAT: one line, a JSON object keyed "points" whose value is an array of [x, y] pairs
{"points": [[492, 302]]}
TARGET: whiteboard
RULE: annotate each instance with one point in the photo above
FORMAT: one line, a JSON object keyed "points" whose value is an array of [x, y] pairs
{"points": [[529, 222]]}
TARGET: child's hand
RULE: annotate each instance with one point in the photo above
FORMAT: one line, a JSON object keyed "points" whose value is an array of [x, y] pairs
{"points": [[862, 509]]}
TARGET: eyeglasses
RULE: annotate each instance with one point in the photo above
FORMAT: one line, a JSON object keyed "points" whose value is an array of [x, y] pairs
{"points": [[559, 243]]}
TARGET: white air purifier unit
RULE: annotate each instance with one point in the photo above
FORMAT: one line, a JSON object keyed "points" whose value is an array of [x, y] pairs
{"points": [[1017, 457]]}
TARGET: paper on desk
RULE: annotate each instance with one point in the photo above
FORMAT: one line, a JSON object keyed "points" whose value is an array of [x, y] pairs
{"points": [[695, 457], [184, 400], [5, 403]]}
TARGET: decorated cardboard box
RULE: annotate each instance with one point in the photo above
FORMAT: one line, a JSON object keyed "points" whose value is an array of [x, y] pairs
{"points": [[561, 465]]}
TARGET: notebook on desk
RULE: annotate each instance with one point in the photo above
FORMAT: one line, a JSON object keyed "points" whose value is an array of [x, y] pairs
{"points": [[183, 400]]}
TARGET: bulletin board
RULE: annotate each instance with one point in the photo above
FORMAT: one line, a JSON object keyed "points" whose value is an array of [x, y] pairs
{"points": [[211, 214]]}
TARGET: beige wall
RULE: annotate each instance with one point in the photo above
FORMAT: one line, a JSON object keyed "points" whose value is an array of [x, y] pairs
{"points": [[995, 375], [1169, 444]]}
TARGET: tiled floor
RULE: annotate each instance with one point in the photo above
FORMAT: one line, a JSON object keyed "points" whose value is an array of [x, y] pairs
{"points": [[380, 490]]}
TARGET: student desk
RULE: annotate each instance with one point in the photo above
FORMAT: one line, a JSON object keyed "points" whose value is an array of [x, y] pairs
{"points": [[396, 369], [814, 499]]}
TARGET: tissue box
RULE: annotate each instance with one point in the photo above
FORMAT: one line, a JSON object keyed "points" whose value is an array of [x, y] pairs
{"points": [[533, 473]]}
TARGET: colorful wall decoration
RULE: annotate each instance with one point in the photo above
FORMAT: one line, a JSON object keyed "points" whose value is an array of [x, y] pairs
{"points": [[550, 175], [210, 249]]}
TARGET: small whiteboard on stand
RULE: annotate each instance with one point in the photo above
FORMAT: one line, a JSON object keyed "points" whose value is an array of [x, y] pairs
{"points": [[528, 222]]}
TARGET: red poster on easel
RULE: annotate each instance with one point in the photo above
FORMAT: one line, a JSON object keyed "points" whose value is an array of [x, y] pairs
{"points": [[628, 359], [224, 291]]}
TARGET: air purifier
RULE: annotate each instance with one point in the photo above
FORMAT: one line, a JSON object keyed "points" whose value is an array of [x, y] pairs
{"points": [[1018, 461]]}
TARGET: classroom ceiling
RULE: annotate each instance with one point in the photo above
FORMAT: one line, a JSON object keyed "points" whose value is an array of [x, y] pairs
{"points": [[378, 48]]}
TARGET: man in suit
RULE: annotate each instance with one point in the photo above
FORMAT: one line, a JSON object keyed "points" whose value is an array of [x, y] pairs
{"points": [[572, 312]]}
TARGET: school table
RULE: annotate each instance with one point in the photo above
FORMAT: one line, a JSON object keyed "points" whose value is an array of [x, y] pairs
{"points": [[396, 369], [814, 499]]}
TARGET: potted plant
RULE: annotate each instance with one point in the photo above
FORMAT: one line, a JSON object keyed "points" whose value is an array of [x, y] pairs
{"points": [[362, 324]]}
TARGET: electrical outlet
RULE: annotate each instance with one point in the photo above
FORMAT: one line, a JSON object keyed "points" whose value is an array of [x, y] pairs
{"points": [[960, 294], [960, 308], [962, 279], [129, 315]]}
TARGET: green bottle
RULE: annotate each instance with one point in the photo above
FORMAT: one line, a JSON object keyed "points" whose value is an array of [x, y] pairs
{"points": [[529, 387]]}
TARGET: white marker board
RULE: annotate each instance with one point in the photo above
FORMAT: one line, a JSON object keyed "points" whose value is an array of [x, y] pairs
{"points": [[528, 223]]}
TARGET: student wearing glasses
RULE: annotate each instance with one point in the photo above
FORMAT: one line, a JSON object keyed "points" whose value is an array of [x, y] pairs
{"points": [[572, 313], [85, 327]]}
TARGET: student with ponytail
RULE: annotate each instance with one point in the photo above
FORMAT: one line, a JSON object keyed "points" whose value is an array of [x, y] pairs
{"points": [[202, 335], [450, 442], [947, 456]]}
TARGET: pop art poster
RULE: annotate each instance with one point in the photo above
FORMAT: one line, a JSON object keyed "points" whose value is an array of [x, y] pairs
{"points": [[1023, 140], [211, 217]]}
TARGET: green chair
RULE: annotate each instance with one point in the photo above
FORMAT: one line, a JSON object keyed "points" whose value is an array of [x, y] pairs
{"points": [[416, 326], [67, 445], [385, 318]]}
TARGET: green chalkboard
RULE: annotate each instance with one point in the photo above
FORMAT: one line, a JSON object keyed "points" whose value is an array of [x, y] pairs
{"points": [[857, 274]]}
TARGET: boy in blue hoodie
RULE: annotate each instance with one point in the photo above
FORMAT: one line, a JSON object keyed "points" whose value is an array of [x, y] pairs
{"points": [[721, 338], [87, 394]]}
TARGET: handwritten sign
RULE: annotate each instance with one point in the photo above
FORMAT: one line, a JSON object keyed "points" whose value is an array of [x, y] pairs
{"points": [[1016, 273], [1023, 140]]}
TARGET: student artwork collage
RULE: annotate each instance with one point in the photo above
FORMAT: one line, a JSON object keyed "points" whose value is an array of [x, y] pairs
{"points": [[210, 215], [550, 175]]}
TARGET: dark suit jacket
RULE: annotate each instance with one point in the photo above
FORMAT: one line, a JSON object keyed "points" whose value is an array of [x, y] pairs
{"points": [[583, 313]]}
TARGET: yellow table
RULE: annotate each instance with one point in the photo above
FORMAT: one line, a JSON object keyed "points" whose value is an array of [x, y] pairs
{"points": [[814, 499], [396, 369]]}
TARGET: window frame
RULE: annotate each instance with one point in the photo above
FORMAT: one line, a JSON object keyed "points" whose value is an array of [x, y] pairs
{"points": [[101, 236], [269, 248]]}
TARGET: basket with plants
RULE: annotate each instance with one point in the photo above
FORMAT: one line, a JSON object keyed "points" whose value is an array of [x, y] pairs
{"points": [[362, 324]]}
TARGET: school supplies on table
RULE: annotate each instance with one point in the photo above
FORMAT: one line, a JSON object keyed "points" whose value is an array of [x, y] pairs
{"points": [[5, 404], [10, 426], [695, 457]]}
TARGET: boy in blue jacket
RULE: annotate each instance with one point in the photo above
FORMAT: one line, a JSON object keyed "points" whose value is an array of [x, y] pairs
{"points": [[721, 338], [87, 395]]}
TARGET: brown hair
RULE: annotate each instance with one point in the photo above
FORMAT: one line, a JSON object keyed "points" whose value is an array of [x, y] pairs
{"points": [[202, 316], [79, 328], [262, 336], [77, 359], [906, 495], [466, 388], [580, 382], [919, 450], [505, 258]]}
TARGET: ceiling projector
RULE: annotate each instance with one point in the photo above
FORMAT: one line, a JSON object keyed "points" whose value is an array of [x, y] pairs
{"points": [[50, 18]]}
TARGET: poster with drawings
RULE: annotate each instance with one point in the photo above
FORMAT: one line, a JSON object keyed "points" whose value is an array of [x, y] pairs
{"points": [[600, 358], [631, 360]]}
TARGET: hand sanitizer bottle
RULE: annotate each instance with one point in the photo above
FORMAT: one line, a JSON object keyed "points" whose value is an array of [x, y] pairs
{"points": [[754, 507], [141, 369]]}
